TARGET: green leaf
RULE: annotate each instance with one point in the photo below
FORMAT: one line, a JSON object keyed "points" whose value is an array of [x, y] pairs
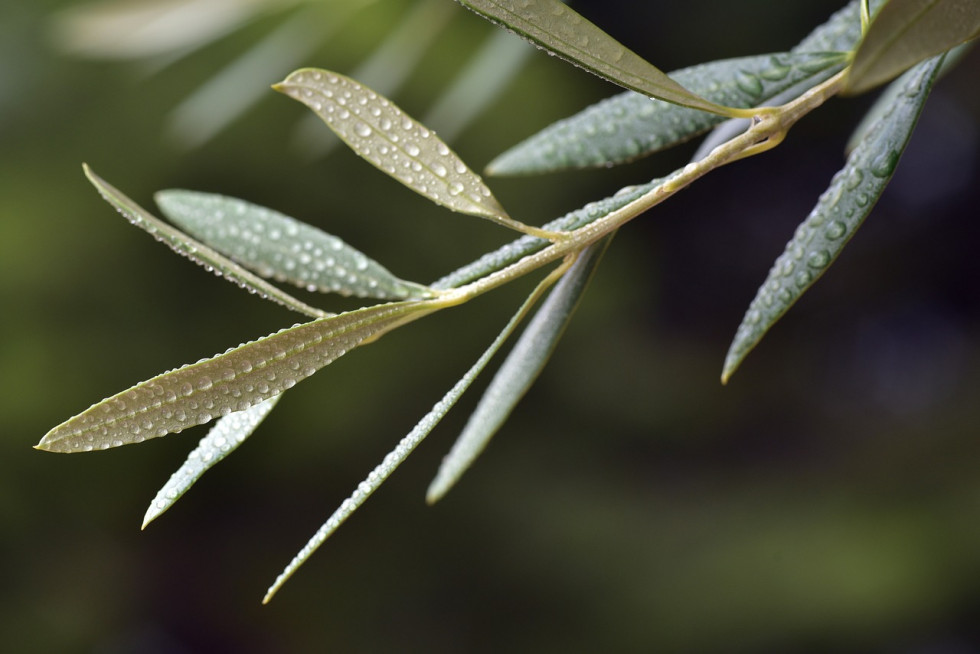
{"points": [[223, 439], [195, 251], [630, 125], [840, 211], [234, 381], [277, 246], [551, 25], [407, 444], [522, 247], [393, 142], [905, 32], [522, 366]]}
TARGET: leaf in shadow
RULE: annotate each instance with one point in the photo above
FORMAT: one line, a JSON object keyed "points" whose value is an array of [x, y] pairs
{"points": [[842, 208]]}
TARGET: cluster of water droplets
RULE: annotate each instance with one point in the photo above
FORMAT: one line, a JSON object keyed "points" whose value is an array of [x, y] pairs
{"points": [[275, 245], [384, 135], [631, 125], [227, 434]]}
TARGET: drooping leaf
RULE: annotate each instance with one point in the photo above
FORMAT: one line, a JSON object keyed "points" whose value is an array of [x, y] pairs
{"points": [[552, 25], [630, 125], [274, 245], [224, 438], [234, 381], [904, 32], [393, 142], [195, 251], [838, 214], [407, 444], [522, 366]]}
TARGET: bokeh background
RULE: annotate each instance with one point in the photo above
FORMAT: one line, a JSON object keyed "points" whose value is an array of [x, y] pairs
{"points": [[826, 500]]}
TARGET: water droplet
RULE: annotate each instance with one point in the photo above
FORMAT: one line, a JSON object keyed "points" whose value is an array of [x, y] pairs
{"points": [[778, 70], [439, 170], [854, 179], [835, 230], [803, 278], [818, 259], [412, 150], [861, 199], [749, 83], [884, 164], [362, 130], [455, 188]]}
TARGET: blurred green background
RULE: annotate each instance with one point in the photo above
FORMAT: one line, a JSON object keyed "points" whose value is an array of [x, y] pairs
{"points": [[826, 500]]}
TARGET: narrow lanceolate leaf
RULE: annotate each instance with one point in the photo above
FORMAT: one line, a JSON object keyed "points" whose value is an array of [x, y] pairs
{"points": [[905, 32], [838, 214], [195, 251], [387, 137], [234, 381], [631, 125], [555, 27], [277, 246], [223, 439], [522, 366], [407, 444]]}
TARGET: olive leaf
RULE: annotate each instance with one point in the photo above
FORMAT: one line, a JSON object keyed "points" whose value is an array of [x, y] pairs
{"points": [[904, 32], [234, 381], [551, 25], [408, 443], [842, 208], [519, 370], [195, 251], [277, 246], [224, 438], [393, 142], [630, 125]]}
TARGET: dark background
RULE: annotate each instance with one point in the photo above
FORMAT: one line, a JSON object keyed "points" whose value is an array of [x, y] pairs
{"points": [[827, 499]]}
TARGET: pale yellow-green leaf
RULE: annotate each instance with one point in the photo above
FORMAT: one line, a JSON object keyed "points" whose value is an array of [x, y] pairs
{"points": [[905, 32], [234, 381], [396, 144]]}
